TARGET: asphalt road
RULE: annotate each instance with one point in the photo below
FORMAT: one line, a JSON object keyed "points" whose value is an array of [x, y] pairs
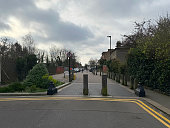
{"points": [[74, 114], [78, 111]]}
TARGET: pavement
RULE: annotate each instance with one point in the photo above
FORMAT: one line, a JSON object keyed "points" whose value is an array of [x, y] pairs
{"points": [[61, 78], [158, 97], [69, 108]]}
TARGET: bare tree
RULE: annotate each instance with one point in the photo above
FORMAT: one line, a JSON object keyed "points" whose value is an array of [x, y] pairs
{"points": [[55, 53], [93, 62], [40, 55], [28, 42]]}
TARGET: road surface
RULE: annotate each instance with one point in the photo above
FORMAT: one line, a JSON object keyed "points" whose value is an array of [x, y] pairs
{"points": [[70, 109]]}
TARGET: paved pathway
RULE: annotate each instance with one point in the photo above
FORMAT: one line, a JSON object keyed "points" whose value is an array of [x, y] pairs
{"points": [[95, 85], [60, 77], [159, 98]]}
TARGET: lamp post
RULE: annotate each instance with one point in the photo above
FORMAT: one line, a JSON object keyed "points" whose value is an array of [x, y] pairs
{"points": [[110, 46], [69, 56]]}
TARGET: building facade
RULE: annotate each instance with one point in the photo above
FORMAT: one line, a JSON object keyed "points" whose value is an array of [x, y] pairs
{"points": [[119, 54]]}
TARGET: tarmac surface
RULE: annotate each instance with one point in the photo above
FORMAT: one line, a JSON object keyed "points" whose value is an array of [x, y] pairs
{"points": [[74, 114], [69, 108]]}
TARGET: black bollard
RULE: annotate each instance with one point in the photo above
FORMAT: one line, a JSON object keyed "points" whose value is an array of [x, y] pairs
{"points": [[52, 89], [104, 85], [85, 84], [139, 91]]}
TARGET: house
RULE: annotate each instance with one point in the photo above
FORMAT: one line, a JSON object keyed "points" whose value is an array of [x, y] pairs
{"points": [[106, 55], [119, 53]]}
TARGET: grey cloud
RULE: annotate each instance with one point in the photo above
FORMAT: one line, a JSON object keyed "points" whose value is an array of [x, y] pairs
{"points": [[57, 30], [4, 26], [10, 7], [118, 7], [108, 9]]}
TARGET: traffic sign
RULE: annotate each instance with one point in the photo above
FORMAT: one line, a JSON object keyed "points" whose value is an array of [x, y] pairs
{"points": [[69, 54]]}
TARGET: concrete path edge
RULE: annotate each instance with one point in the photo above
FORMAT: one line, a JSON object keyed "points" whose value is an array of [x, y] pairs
{"points": [[157, 105], [153, 103], [33, 94]]}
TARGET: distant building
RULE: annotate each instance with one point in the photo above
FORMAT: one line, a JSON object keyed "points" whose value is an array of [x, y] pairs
{"points": [[106, 55], [119, 53]]}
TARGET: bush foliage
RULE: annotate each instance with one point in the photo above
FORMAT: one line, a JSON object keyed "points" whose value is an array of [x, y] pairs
{"points": [[35, 76], [37, 80], [149, 61], [14, 87]]}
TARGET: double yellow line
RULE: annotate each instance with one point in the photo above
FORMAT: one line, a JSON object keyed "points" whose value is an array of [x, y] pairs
{"points": [[145, 107], [149, 110]]}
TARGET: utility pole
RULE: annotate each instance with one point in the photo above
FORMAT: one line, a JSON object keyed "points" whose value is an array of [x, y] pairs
{"points": [[110, 46]]}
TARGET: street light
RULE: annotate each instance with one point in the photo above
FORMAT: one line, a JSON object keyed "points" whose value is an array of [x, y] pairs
{"points": [[69, 57], [110, 46]]}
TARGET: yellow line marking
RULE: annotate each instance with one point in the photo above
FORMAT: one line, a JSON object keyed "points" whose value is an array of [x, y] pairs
{"points": [[154, 111], [138, 102], [4, 100], [163, 122]]}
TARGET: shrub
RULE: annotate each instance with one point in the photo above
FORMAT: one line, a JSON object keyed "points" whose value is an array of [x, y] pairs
{"points": [[35, 76], [4, 89], [113, 66], [149, 61], [13, 87], [59, 83], [16, 87], [33, 88], [45, 82], [47, 79]]}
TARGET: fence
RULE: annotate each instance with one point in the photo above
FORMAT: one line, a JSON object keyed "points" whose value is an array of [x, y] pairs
{"points": [[8, 72], [124, 79], [130, 81]]}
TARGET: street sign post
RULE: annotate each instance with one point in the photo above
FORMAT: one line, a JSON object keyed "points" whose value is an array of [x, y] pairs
{"points": [[105, 69]]}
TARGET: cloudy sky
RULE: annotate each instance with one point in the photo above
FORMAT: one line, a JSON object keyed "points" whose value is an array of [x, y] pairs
{"points": [[79, 25]]}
